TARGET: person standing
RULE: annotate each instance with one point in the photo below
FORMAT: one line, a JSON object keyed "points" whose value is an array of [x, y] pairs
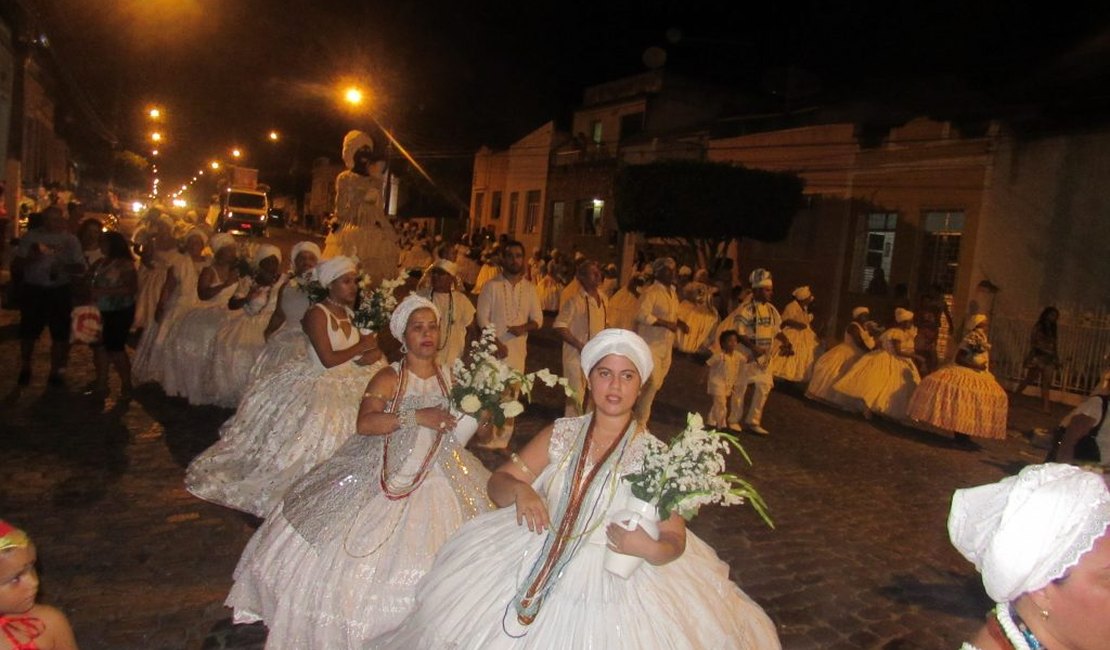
{"points": [[724, 368], [624, 306], [45, 264], [1043, 360], [797, 326], [834, 364], [658, 324], [509, 303], [581, 317], [883, 381], [114, 283], [456, 313], [760, 325]]}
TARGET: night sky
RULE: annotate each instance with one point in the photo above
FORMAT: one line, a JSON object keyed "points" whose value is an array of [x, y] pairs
{"points": [[451, 76]]}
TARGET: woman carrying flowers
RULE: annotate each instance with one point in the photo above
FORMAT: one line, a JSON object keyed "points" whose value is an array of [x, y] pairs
{"points": [[338, 560], [534, 575]]}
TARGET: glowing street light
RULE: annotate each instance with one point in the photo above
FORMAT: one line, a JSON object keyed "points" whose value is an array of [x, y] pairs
{"points": [[154, 113], [274, 136], [214, 164], [352, 96], [235, 153], [154, 152], [156, 136]]}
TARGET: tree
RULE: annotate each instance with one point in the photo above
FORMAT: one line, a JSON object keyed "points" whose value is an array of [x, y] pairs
{"points": [[706, 205]]}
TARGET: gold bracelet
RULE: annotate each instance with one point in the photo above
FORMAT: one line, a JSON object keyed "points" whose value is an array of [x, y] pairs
{"points": [[374, 395], [520, 464]]}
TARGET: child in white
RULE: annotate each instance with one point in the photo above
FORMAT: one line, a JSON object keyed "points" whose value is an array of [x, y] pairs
{"points": [[724, 368]]}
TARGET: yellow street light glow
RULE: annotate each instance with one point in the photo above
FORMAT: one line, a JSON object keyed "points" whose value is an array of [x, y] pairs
{"points": [[353, 96], [274, 136], [235, 153], [214, 164], [154, 152], [154, 113], [156, 136], [184, 187], [200, 173]]}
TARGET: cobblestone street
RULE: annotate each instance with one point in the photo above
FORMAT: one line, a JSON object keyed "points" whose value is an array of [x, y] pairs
{"points": [[859, 556]]}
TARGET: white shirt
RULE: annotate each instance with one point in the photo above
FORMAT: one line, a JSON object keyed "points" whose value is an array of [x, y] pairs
{"points": [[623, 309], [456, 313], [583, 316], [658, 302], [1092, 408], [501, 304], [723, 371]]}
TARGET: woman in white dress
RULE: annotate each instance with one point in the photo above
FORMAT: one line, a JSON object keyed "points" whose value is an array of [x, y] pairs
{"points": [[700, 317], [549, 290], [158, 249], [179, 294], [363, 231], [285, 340], [190, 348], [239, 341], [288, 424], [797, 327], [883, 381], [531, 575], [338, 560], [832, 365]]}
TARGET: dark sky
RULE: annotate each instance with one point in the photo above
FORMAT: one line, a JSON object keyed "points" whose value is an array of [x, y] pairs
{"points": [[450, 76]]}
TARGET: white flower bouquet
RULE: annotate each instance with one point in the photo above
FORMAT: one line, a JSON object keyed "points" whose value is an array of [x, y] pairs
{"points": [[486, 383], [690, 473], [374, 305], [310, 285]]}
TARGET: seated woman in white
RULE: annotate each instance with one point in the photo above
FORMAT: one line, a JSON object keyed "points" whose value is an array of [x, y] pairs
{"points": [[531, 575], [285, 340], [338, 560]]}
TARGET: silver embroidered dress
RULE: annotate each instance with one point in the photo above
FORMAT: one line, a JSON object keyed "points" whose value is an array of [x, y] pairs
{"points": [[337, 562]]}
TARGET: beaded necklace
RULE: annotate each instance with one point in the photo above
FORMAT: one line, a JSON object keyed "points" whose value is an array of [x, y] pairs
{"points": [[425, 466], [15, 628]]}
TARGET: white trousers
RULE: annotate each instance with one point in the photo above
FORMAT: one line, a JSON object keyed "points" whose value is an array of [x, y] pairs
{"points": [[647, 393], [718, 415], [762, 382], [572, 370]]}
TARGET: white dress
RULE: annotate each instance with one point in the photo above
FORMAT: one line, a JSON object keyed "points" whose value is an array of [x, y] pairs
{"points": [[149, 363], [798, 366], [284, 427], [688, 603], [365, 232], [192, 346], [237, 346], [832, 365], [289, 342], [883, 381], [701, 319], [338, 561], [151, 280]]}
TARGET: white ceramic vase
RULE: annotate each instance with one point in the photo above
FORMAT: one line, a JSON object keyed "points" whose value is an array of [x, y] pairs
{"points": [[636, 512]]}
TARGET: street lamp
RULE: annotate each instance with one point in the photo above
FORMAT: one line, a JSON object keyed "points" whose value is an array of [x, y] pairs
{"points": [[235, 153], [274, 136], [156, 136], [154, 113], [214, 164], [352, 96], [154, 152]]}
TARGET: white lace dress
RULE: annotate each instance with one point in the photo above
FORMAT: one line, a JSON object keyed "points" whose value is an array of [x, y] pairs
{"points": [[467, 597], [882, 381], [365, 232], [284, 427], [289, 342], [338, 561], [237, 346], [149, 362], [151, 280], [833, 365], [192, 347]]}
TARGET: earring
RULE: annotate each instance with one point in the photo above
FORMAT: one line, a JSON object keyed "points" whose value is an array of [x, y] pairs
{"points": [[404, 348], [1044, 614]]}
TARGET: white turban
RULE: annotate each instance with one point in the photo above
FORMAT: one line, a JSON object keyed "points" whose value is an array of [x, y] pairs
{"points": [[660, 263], [446, 265], [305, 247], [617, 341], [330, 269], [760, 278], [220, 240], [266, 250], [1027, 530], [902, 315], [975, 321], [399, 320], [352, 142], [802, 293], [860, 311]]}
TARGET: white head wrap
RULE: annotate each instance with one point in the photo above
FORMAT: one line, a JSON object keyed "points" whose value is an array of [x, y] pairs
{"points": [[975, 321], [902, 315], [802, 293], [352, 142], [196, 232], [760, 278], [1027, 530], [330, 269], [447, 265], [266, 250], [660, 263], [399, 320], [860, 311], [617, 341], [685, 270], [305, 247], [220, 240]]}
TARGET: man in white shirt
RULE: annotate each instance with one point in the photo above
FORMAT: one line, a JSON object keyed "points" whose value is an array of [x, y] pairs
{"points": [[509, 303], [580, 318], [624, 306], [759, 325], [456, 313], [658, 323]]}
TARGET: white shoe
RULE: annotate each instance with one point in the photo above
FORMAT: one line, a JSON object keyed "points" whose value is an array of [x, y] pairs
{"points": [[735, 426], [756, 429]]}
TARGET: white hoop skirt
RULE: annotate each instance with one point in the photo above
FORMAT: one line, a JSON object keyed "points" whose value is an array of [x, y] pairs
{"points": [[829, 368], [960, 399], [883, 382]]}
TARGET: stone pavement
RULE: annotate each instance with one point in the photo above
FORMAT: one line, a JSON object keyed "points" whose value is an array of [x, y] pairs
{"points": [[858, 558]]}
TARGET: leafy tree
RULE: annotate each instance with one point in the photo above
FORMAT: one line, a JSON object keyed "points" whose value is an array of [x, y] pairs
{"points": [[706, 205]]}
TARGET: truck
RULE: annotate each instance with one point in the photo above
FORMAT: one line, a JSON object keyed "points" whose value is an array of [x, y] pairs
{"points": [[244, 203]]}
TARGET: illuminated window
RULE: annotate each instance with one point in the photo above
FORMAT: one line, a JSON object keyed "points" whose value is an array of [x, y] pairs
{"points": [[874, 252], [595, 131], [589, 213]]}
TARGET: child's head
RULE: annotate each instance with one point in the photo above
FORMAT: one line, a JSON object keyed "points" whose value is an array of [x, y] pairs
{"points": [[729, 339], [19, 583]]}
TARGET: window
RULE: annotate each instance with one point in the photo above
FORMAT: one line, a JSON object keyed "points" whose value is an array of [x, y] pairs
{"points": [[595, 131], [589, 214], [531, 210], [631, 124], [555, 223], [479, 200], [874, 252], [514, 200], [941, 254], [495, 206]]}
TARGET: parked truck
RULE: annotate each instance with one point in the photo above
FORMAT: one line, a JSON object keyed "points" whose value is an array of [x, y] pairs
{"points": [[244, 204]]}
